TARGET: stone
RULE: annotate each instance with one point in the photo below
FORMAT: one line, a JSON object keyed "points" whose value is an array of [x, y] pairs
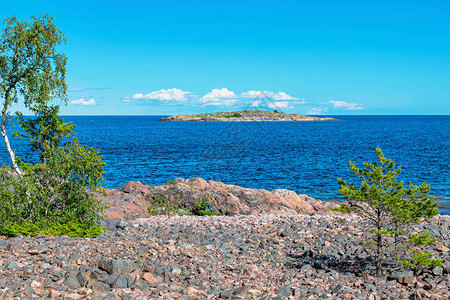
{"points": [[151, 280], [306, 268], [106, 278], [106, 265], [72, 282], [53, 294], [438, 271], [284, 292], [403, 277], [100, 288], [121, 282], [83, 278], [13, 266], [442, 248], [111, 296], [123, 266]]}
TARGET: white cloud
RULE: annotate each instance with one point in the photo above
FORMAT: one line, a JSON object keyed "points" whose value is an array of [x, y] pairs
{"points": [[163, 95], [83, 101], [255, 103], [218, 97], [278, 105], [272, 95], [218, 94], [345, 105], [315, 111]]}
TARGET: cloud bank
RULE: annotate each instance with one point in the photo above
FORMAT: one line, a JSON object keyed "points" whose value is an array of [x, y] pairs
{"points": [[222, 97]]}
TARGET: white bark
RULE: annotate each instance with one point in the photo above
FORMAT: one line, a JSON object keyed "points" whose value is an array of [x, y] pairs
{"points": [[8, 145]]}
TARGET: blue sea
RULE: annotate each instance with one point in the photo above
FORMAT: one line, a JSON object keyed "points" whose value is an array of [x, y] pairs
{"points": [[306, 157]]}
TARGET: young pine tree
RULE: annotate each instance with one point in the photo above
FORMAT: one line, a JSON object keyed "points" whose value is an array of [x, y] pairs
{"points": [[386, 203]]}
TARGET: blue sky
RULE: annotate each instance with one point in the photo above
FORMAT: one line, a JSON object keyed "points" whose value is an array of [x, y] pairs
{"points": [[311, 57]]}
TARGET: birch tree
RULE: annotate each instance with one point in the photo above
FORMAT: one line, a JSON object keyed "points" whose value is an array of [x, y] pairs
{"points": [[31, 70]]}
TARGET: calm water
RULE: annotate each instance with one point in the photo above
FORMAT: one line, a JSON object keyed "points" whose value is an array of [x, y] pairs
{"points": [[302, 156]]}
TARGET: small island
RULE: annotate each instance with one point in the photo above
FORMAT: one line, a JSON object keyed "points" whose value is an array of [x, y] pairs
{"points": [[246, 115]]}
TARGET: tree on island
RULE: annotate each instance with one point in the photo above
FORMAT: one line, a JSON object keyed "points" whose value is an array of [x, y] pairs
{"points": [[390, 208], [49, 195]]}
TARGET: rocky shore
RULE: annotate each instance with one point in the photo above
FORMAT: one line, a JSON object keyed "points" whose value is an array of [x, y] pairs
{"points": [[300, 250], [245, 115]]}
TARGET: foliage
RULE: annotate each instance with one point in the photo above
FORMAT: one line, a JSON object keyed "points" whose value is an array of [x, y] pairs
{"points": [[386, 203], [232, 115], [30, 67], [72, 229], [343, 208], [200, 208], [47, 127], [160, 205], [421, 260], [54, 196]]}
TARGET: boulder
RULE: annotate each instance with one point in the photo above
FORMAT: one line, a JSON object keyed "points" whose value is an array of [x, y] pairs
{"points": [[134, 198]]}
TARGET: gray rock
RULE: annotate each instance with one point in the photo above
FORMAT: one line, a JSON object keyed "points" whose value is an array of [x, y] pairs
{"points": [[123, 266], [142, 285], [106, 278], [404, 277], [438, 271], [306, 268], [285, 292], [100, 288], [111, 296], [226, 294], [122, 224], [72, 282], [13, 266], [121, 282], [83, 278]]}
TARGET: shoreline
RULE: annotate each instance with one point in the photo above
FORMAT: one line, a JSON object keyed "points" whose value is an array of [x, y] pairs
{"points": [[264, 256], [282, 245]]}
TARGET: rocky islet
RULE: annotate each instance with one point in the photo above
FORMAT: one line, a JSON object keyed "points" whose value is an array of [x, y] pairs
{"points": [[245, 115]]}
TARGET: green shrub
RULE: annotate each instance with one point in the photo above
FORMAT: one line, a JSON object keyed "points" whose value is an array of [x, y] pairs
{"points": [[422, 260], [53, 196], [160, 205], [200, 208]]}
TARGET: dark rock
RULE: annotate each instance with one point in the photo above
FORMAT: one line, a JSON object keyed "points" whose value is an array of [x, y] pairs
{"points": [[106, 265], [83, 278], [121, 282], [106, 278]]}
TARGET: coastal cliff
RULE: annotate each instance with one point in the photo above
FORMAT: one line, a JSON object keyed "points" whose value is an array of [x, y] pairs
{"points": [[245, 115]]}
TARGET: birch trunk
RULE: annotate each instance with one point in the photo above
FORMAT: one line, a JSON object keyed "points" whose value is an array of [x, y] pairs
{"points": [[5, 137]]}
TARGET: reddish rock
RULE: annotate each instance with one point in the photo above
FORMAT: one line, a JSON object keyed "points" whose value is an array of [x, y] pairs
{"points": [[134, 198], [150, 279]]}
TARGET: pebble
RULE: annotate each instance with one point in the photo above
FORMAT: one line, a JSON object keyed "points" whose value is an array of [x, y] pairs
{"points": [[229, 257]]}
